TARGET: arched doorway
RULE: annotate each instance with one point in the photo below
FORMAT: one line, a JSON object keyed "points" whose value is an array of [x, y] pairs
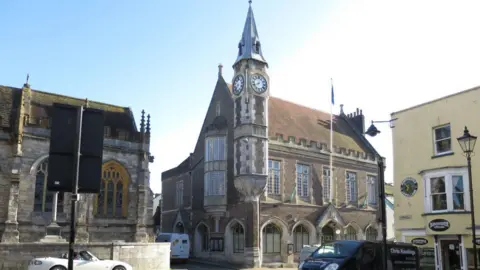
{"points": [[202, 238], [301, 237], [179, 228], [328, 234]]}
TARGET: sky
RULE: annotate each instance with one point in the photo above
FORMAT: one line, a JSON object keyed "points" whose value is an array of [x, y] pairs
{"points": [[162, 56]]}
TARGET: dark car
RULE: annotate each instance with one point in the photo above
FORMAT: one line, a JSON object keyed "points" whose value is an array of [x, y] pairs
{"points": [[361, 255]]}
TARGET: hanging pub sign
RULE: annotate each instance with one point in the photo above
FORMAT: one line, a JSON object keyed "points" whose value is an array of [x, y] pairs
{"points": [[419, 241], [439, 225]]}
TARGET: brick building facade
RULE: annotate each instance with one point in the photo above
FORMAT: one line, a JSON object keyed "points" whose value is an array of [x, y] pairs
{"points": [[258, 180], [123, 208]]}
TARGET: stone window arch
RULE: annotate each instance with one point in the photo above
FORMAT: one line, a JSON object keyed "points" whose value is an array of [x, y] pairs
{"points": [[371, 234], [272, 239], [350, 233], [112, 200], [202, 238], [43, 199], [301, 237], [238, 238]]}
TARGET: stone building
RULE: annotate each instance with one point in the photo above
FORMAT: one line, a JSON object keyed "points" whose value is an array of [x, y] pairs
{"points": [[257, 186], [28, 211]]}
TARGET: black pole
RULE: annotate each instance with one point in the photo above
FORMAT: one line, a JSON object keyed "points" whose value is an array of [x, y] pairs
{"points": [[472, 210], [383, 218], [76, 164]]}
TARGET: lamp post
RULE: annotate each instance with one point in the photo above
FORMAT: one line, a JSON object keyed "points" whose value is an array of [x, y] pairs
{"points": [[372, 131], [467, 143]]}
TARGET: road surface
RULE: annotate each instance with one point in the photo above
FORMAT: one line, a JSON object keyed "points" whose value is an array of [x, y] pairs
{"points": [[195, 266]]}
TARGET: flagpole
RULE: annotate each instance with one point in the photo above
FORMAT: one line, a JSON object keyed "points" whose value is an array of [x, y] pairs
{"points": [[331, 148]]}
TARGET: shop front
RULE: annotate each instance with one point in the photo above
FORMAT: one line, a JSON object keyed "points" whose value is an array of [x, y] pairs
{"points": [[451, 240], [426, 248]]}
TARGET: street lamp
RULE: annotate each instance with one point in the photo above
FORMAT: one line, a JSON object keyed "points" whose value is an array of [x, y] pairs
{"points": [[373, 131], [467, 143]]}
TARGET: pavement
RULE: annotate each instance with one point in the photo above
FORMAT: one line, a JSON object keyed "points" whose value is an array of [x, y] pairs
{"points": [[202, 265]]}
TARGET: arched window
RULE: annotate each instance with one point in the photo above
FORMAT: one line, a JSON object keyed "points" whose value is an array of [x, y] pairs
{"points": [[238, 238], [112, 200], [351, 233], [328, 235], [43, 198], [371, 234], [300, 238], [271, 239], [204, 237]]}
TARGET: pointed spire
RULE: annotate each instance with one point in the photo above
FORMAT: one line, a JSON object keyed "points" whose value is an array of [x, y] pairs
{"points": [[142, 122], [148, 125], [26, 81], [249, 46]]}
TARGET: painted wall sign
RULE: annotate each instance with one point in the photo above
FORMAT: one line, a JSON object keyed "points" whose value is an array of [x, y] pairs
{"points": [[419, 241], [439, 225], [409, 187]]}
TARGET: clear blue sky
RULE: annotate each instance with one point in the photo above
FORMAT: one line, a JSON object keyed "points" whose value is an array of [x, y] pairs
{"points": [[160, 56]]}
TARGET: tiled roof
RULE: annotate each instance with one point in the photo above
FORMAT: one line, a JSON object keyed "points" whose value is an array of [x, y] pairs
{"points": [[291, 119], [115, 116]]}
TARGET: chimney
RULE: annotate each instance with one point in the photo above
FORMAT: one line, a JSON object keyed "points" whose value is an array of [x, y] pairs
{"points": [[358, 120], [220, 67]]}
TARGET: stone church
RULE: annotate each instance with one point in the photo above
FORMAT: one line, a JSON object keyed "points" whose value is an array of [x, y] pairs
{"points": [[30, 213], [257, 186]]}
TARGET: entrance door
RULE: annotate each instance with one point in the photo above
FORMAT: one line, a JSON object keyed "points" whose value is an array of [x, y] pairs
{"points": [[451, 254]]}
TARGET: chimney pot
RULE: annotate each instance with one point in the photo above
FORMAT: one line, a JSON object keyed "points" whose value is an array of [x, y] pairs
{"points": [[220, 67], [358, 111], [361, 112]]}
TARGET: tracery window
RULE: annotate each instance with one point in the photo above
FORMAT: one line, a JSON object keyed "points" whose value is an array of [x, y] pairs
{"points": [[301, 237], [371, 234], [351, 233], [112, 200], [271, 239], [43, 200]]}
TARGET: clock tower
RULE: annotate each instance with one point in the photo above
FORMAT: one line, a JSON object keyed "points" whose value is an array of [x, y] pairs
{"points": [[250, 87]]}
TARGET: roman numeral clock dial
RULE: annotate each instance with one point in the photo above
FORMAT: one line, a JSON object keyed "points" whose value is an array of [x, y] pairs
{"points": [[238, 84], [259, 83]]}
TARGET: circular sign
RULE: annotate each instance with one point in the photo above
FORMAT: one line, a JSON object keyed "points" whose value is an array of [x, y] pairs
{"points": [[419, 241], [439, 225], [409, 187]]}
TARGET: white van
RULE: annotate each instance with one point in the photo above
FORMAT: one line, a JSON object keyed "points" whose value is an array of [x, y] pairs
{"points": [[179, 245]]}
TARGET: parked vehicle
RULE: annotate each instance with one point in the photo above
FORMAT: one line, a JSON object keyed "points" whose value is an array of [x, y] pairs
{"points": [[83, 260], [179, 245], [361, 255]]}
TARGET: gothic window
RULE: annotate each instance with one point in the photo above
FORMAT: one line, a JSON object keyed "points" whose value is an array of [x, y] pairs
{"points": [[271, 239], [179, 193], [203, 237], [351, 233], [273, 184], [238, 240], [214, 183], [216, 244], [303, 175], [215, 148], [372, 189], [371, 234], [351, 187], [43, 199], [327, 184], [301, 237], [111, 201]]}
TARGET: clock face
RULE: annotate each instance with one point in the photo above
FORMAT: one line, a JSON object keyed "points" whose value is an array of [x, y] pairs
{"points": [[259, 83], [238, 84]]}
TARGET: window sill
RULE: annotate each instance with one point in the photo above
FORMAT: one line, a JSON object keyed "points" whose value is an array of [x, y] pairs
{"points": [[447, 213], [443, 154]]}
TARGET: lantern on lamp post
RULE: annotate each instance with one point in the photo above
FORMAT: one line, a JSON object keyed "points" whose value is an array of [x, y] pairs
{"points": [[467, 143]]}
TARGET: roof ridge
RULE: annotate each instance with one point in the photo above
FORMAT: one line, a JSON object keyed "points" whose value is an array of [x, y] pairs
{"points": [[65, 96], [303, 106]]}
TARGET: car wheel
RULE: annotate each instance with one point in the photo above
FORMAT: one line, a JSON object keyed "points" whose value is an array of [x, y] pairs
{"points": [[58, 267], [119, 267]]}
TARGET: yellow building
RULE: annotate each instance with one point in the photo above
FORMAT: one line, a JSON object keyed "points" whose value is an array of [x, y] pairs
{"points": [[432, 199]]}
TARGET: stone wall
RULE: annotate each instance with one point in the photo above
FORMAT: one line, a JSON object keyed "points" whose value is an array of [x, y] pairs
{"points": [[139, 255]]}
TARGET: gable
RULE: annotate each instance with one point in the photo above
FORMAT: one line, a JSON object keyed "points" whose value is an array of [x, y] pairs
{"points": [[330, 214], [222, 96]]}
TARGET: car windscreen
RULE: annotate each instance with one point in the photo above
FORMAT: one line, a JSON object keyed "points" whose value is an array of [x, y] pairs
{"points": [[164, 238], [336, 250]]}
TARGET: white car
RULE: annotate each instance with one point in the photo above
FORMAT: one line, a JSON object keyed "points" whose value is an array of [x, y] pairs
{"points": [[83, 260]]}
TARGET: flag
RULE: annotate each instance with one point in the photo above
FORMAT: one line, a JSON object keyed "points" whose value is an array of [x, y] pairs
{"points": [[333, 94]]}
